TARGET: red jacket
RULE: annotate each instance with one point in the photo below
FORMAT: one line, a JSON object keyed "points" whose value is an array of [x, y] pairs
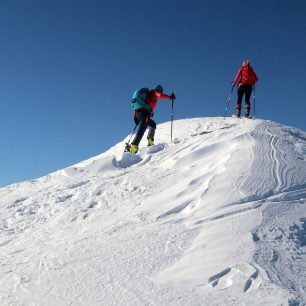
{"points": [[246, 76], [152, 97]]}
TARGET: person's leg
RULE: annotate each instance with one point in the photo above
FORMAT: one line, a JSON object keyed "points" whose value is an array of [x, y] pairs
{"points": [[248, 92], [240, 93], [142, 118], [151, 133]]}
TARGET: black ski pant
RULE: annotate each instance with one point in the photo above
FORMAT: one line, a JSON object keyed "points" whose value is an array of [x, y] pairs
{"points": [[143, 119], [247, 91]]}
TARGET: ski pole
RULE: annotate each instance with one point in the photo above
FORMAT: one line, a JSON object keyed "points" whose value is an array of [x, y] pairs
{"points": [[127, 144], [229, 100], [172, 117], [254, 100]]}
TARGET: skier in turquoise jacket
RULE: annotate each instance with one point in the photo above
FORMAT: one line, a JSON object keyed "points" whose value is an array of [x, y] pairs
{"points": [[144, 104]]}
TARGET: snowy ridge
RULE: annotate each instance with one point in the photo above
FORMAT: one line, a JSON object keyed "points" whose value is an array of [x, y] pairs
{"points": [[218, 217]]}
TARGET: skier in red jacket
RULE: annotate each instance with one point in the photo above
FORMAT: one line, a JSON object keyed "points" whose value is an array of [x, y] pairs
{"points": [[245, 78]]}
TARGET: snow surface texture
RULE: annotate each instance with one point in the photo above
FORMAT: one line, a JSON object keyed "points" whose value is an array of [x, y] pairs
{"points": [[218, 217]]}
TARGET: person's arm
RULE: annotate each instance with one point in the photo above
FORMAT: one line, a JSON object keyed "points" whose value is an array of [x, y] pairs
{"points": [[162, 96], [238, 76]]}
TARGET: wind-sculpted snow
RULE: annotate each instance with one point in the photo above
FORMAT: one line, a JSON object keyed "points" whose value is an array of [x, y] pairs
{"points": [[278, 160], [217, 217], [281, 246]]}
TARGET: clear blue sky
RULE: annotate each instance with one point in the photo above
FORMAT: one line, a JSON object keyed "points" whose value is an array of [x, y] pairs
{"points": [[68, 69]]}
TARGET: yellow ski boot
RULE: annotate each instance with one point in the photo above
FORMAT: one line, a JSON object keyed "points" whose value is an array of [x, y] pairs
{"points": [[133, 149], [150, 142]]}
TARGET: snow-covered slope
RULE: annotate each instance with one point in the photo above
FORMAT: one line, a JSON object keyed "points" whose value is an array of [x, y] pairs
{"points": [[218, 217]]}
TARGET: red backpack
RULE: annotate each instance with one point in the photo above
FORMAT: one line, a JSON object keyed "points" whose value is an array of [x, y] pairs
{"points": [[248, 76]]}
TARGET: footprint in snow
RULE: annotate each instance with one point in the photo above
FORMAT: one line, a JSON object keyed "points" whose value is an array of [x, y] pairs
{"points": [[215, 279], [92, 204], [16, 203], [20, 200], [127, 160], [61, 199], [82, 183], [242, 279], [155, 149]]}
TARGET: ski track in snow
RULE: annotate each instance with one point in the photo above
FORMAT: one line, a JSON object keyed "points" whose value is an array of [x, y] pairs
{"points": [[215, 218]]}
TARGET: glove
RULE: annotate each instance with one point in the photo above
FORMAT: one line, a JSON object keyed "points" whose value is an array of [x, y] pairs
{"points": [[233, 84], [173, 97]]}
